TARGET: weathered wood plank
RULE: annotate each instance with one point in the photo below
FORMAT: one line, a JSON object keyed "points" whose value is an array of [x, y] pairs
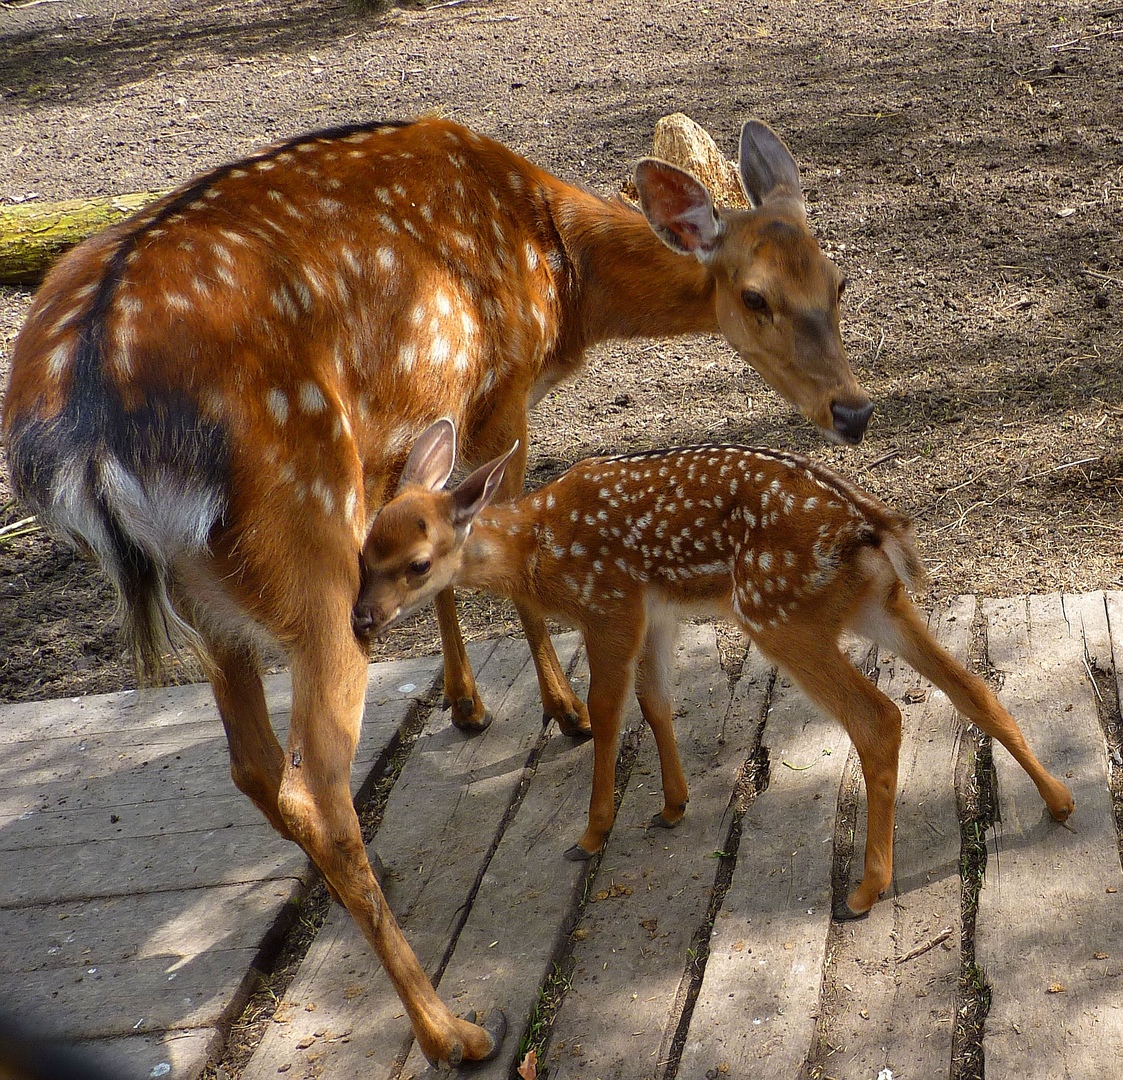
{"points": [[119, 867], [1048, 929], [164, 748], [76, 935], [756, 1010], [59, 828], [437, 831], [652, 889], [178, 1054], [110, 998], [900, 1011], [158, 948], [519, 918], [190, 703]]}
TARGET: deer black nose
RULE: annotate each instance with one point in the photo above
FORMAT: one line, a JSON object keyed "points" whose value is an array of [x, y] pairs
{"points": [[362, 622], [851, 423]]}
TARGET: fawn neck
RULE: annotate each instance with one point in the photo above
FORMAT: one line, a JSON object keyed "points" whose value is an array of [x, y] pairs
{"points": [[499, 554]]}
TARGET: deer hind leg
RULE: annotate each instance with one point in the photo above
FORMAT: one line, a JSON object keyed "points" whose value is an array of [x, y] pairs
{"points": [[902, 629], [329, 680], [656, 702], [256, 757], [873, 723]]}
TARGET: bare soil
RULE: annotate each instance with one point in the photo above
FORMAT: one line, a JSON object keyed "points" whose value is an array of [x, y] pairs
{"points": [[963, 163]]}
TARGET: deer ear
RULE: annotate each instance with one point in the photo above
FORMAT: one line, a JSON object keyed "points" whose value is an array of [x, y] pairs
{"points": [[476, 490], [433, 455], [679, 208], [768, 169]]}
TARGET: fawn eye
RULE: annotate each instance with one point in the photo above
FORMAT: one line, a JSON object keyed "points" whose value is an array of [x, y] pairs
{"points": [[420, 567], [841, 288], [754, 302]]}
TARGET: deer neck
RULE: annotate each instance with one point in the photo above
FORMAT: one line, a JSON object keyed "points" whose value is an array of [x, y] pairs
{"points": [[498, 551], [627, 282]]}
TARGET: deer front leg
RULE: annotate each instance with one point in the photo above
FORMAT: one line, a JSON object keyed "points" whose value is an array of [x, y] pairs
{"points": [[610, 679], [329, 678], [559, 702]]}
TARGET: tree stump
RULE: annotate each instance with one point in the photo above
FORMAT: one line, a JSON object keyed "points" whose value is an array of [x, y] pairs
{"points": [[680, 141]]}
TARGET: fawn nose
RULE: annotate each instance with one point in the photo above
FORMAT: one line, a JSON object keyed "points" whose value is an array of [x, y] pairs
{"points": [[362, 622], [851, 423]]}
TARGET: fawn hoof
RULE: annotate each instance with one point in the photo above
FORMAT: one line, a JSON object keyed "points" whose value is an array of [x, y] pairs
{"points": [[843, 912], [495, 1024], [660, 821], [1064, 810], [463, 720], [578, 854], [569, 724]]}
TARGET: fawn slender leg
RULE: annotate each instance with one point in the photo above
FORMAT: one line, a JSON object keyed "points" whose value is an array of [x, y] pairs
{"points": [[329, 678], [873, 723], [559, 702], [656, 702], [903, 629], [256, 757], [611, 672]]}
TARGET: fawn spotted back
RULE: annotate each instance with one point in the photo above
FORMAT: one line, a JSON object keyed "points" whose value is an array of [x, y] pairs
{"points": [[622, 547], [216, 396]]}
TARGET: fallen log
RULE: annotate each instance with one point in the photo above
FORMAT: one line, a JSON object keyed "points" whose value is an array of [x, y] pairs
{"points": [[34, 234]]}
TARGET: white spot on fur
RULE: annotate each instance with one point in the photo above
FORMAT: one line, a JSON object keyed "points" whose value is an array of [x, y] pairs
{"points": [[311, 398], [277, 405]]}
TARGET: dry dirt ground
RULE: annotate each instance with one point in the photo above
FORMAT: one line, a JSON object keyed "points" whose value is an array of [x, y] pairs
{"points": [[963, 163]]}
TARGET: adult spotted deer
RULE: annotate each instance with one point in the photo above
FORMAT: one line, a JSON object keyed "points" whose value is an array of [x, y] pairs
{"points": [[622, 546], [215, 397]]}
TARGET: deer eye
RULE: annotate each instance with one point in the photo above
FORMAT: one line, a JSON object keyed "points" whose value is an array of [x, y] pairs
{"points": [[841, 288], [754, 302], [420, 567]]}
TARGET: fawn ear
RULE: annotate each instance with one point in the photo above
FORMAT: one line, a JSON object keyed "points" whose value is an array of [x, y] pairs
{"points": [[433, 455], [679, 208], [475, 491], [768, 169]]}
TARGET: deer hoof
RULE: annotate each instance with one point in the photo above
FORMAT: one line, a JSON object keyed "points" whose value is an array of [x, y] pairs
{"points": [[658, 821], [569, 724], [578, 854], [462, 717], [843, 912], [495, 1024]]}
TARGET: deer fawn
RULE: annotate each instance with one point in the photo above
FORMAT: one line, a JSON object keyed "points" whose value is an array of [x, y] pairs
{"points": [[622, 546], [216, 396]]}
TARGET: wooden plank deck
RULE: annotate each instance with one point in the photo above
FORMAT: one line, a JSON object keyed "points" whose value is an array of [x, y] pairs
{"points": [[136, 886]]}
